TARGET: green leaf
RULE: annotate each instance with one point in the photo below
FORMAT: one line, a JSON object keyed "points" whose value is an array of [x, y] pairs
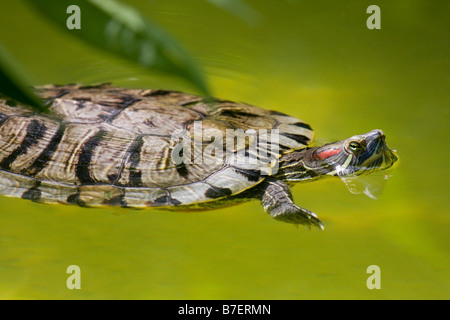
{"points": [[240, 9], [13, 83], [121, 29]]}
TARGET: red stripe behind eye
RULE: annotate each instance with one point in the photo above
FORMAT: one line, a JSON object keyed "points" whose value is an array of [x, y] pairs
{"points": [[328, 153]]}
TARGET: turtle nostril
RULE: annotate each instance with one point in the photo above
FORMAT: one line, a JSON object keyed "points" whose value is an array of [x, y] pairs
{"points": [[379, 134]]}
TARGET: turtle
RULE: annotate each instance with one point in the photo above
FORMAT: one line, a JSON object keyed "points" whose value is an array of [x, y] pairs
{"points": [[102, 145]]}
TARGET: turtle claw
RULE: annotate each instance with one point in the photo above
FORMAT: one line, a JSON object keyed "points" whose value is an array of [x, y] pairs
{"points": [[296, 215]]}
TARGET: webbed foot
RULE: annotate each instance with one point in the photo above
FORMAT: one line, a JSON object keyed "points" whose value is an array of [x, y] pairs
{"points": [[277, 201]]}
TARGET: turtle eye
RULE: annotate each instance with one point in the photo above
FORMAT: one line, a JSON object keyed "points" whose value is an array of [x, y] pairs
{"points": [[355, 147]]}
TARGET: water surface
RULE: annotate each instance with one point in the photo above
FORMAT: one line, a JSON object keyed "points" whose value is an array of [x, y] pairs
{"points": [[316, 61]]}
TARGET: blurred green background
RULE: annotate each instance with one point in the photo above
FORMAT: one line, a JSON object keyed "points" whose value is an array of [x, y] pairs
{"points": [[314, 60]]}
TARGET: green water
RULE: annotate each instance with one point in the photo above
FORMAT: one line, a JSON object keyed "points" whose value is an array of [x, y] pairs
{"points": [[314, 60]]}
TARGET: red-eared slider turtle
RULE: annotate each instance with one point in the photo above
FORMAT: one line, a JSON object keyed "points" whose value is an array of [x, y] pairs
{"points": [[107, 146]]}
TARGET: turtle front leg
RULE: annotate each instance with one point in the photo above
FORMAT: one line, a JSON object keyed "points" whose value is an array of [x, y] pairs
{"points": [[277, 201]]}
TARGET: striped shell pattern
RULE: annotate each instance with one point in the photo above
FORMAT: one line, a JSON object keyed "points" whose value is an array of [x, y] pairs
{"points": [[102, 145]]}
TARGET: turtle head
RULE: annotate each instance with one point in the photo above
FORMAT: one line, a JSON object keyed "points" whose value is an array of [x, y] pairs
{"points": [[359, 154]]}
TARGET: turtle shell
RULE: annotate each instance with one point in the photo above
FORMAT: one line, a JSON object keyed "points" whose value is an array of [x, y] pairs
{"points": [[102, 145]]}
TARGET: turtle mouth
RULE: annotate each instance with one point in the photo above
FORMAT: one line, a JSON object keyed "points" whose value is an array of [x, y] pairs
{"points": [[391, 157]]}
